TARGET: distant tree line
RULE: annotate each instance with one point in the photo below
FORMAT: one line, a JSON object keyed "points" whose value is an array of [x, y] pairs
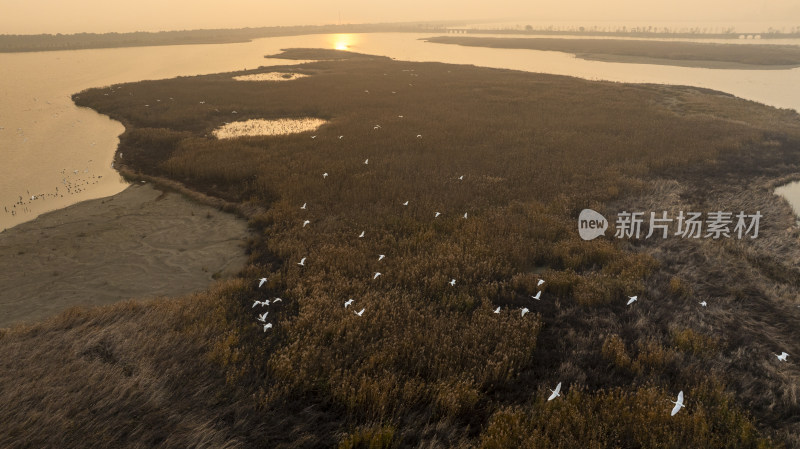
{"points": [[51, 42]]}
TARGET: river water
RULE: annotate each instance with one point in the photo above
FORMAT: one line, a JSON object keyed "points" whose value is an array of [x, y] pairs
{"points": [[56, 154]]}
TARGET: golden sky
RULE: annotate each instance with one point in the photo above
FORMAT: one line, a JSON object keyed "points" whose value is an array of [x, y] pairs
{"points": [[72, 16]]}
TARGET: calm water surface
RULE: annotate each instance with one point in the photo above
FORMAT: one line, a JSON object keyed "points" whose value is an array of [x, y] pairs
{"points": [[61, 154]]}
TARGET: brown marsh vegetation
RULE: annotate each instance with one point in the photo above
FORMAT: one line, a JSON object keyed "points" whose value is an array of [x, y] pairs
{"points": [[429, 364], [699, 54]]}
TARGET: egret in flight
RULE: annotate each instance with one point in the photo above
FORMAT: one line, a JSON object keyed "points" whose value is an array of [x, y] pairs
{"points": [[366, 161], [348, 302], [375, 276], [267, 326], [325, 175], [539, 284], [538, 296], [361, 312], [306, 222], [632, 300], [678, 404], [261, 282], [524, 311], [263, 317], [277, 300], [782, 357], [555, 393], [304, 206], [452, 282], [406, 203], [436, 215], [361, 236], [703, 303], [497, 310], [302, 262], [381, 257]]}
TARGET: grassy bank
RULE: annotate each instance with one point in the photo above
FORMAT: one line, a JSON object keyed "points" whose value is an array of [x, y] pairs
{"points": [[429, 363], [657, 52]]}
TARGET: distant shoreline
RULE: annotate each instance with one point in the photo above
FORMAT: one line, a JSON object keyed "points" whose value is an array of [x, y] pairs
{"points": [[685, 54], [22, 43]]}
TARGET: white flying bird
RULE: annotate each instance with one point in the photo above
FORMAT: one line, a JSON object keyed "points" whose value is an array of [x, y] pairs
{"points": [[263, 317], [277, 300], [678, 404], [461, 178], [406, 203], [703, 303], [555, 393], [302, 262], [419, 136], [257, 303], [539, 284], [782, 357], [399, 116], [304, 206], [313, 137], [538, 296], [375, 276], [366, 161], [267, 326], [341, 137], [452, 282], [376, 127], [306, 222], [361, 312], [261, 282], [497, 310], [436, 215], [348, 302], [465, 214], [325, 175], [361, 236], [380, 257], [632, 300], [524, 311]]}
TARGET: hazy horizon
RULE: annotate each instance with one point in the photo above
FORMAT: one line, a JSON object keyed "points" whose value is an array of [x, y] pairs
{"points": [[94, 16]]}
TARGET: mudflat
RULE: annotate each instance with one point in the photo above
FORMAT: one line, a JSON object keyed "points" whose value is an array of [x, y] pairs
{"points": [[139, 243]]}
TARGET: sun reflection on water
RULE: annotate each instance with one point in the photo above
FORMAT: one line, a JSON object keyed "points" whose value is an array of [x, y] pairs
{"points": [[342, 41]]}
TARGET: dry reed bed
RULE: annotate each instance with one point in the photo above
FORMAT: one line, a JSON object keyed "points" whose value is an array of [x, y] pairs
{"points": [[429, 363]]}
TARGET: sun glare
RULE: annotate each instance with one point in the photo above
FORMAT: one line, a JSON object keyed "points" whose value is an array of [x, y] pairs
{"points": [[342, 41]]}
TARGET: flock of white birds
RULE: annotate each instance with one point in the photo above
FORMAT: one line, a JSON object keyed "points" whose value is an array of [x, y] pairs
{"points": [[679, 403]]}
